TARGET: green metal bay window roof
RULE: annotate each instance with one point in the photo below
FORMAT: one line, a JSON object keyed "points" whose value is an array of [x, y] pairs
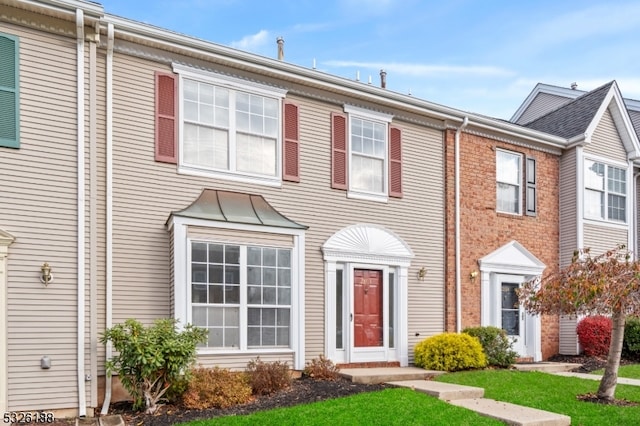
{"points": [[236, 207]]}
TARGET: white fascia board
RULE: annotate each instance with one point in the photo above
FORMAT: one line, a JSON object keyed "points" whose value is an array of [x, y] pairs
{"points": [[314, 78]]}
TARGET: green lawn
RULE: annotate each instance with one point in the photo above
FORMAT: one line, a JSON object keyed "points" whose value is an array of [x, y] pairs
{"points": [[552, 393], [400, 406], [631, 371], [393, 406]]}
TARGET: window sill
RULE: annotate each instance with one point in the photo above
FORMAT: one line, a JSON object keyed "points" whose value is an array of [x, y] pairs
{"points": [[379, 198], [247, 352], [266, 181]]}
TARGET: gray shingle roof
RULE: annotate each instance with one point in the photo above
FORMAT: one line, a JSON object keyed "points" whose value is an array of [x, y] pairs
{"points": [[573, 118]]}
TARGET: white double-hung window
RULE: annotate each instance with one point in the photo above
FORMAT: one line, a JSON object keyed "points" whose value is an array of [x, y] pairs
{"points": [[508, 182], [368, 148], [229, 128], [605, 189]]}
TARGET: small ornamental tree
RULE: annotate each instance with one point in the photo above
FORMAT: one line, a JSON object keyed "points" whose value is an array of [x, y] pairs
{"points": [[608, 284], [150, 359]]}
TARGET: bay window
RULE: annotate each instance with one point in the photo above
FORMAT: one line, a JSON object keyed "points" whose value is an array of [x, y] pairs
{"points": [[241, 294]]}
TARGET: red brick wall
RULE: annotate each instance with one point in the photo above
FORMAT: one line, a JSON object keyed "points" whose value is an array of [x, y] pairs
{"points": [[483, 230]]}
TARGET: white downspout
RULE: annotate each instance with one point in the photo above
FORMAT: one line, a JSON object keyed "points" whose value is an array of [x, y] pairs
{"points": [[464, 124], [109, 214], [82, 404]]}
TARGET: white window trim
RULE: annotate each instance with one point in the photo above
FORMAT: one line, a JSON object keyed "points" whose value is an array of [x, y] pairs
{"points": [[234, 84], [181, 283], [380, 117], [628, 207], [520, 182]]}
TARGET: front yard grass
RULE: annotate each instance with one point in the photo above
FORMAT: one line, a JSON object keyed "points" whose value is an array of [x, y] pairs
{"points": [[552, 393], [393, 406], [631, 371]]}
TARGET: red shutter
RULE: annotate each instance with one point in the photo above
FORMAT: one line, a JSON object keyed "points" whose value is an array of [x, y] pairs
{"points": [[166, 113], [338, 151], [291, 150], [395, 162]]}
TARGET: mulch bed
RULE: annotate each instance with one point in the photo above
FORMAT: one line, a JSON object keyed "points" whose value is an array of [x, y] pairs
{"points": [[306, 390], [302, 391]]}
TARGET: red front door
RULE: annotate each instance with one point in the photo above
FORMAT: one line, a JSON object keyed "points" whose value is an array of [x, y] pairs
{"points": [[367, 290]]}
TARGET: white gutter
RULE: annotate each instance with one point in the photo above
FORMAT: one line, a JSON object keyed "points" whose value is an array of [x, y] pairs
{"points": [[82, 405], [129, 30], [109, 211], [464, 124]]}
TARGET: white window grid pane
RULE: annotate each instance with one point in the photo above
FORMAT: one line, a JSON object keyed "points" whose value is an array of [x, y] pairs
{"points": [[268, 327], [213, 139], [593, 204], [368, 138], [617, 180], [268, 322], [617, 208], [256, 154], [508, 198], [211, 309], [594, 175], [367, 174], [508, 168]]}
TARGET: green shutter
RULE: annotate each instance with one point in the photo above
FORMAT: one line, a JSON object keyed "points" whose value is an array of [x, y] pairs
{"points": [[9, 94]]}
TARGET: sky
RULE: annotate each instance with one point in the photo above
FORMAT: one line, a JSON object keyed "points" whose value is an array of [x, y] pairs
{"points": [[482, 56]]}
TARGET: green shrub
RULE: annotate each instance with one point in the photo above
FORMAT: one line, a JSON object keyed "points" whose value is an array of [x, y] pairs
{"points": [[496, 345], [321, 368], [268, 377], [450, 352], [151, 359], [216, 388], [631, 343]]}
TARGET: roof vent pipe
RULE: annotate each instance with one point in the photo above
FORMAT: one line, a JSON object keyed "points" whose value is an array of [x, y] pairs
{"points": [[574, 85], [280, 42], [383, 79]]}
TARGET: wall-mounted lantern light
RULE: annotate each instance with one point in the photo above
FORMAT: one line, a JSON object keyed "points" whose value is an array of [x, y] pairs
{"points": [[45, 274], [473, 275], [422, 272]]}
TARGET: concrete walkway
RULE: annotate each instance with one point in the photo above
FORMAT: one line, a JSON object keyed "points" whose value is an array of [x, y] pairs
{"points": [[621, 380], [468, 397]]}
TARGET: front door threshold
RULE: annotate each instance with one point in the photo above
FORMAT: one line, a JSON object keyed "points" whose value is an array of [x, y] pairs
{"points": [[374, 364]]}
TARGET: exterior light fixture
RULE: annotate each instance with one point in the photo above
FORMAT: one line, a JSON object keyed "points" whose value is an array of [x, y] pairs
{"points": [[473, 275], [45, 274], [422, 273]]}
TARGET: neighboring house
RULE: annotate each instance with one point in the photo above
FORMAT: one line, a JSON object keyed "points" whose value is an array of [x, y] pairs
{"points": [[290, 212], [508, 218], [598, 170]]}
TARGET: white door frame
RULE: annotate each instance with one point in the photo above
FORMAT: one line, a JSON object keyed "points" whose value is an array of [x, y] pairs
{"points": [[515, 262], [519, 342], [5, 241], [366, 246]]}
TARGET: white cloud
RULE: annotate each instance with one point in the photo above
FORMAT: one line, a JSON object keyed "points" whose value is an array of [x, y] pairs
{"points": [[423, 69], [253, 42]]}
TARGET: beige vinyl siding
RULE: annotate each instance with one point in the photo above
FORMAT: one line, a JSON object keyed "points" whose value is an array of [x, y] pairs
{"points": [[41, 214], [541, 105], [568, 337], [568, 206], [239, 362], [146, 192], [603, 238], [245, 237], [606, 141]]}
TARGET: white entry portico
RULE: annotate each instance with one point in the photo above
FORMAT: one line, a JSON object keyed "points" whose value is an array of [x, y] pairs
{"points": [[502, 272]]}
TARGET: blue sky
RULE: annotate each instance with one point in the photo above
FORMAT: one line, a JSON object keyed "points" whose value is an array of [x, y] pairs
{"points": [[479, 56]]}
